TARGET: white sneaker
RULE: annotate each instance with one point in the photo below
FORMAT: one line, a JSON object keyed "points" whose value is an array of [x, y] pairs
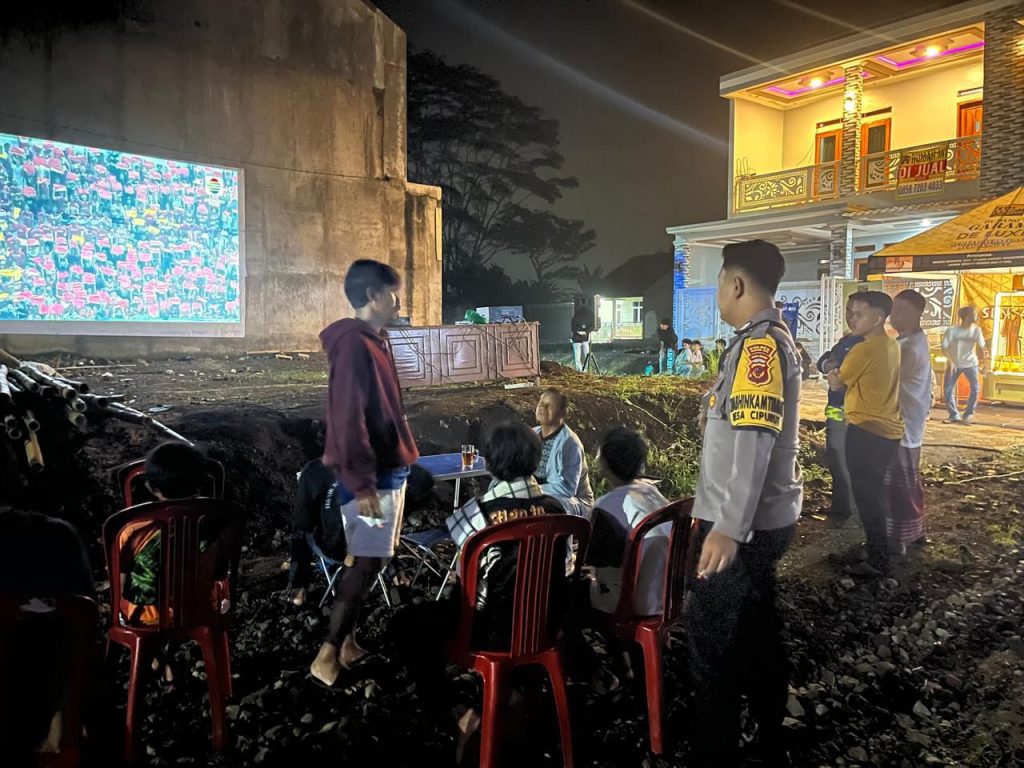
{"points": [[969, 418]]}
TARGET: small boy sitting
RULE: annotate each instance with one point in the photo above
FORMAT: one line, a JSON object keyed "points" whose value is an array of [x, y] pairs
{"points": [[622, 459], [173, 471]]}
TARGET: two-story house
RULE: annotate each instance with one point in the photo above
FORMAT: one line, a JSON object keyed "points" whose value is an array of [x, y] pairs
{"points": [[859, 143]]}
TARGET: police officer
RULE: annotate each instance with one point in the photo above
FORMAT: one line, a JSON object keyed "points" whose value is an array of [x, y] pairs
{"points": [[748, 500]]}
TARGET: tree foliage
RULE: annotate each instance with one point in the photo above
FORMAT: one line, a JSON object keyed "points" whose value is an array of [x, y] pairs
{"points": [[496, 159]]}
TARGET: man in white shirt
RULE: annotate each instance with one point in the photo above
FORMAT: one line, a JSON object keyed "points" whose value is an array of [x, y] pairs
{"points": [[962, 343], [904, 490], [623, 458]]}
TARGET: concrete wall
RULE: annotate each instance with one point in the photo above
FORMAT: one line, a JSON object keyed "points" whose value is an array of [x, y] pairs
{"points": [[800, 128], [307, 98], [757, 136], [924, 109]]}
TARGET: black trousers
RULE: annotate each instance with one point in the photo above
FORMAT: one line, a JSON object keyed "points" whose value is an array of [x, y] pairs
{"points": [[868, 457], [835, 455], [735, 637]]}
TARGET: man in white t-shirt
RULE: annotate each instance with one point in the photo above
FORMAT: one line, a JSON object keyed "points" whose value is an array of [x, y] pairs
{"points": [[904, 489], [623, 457], [962, 343]]}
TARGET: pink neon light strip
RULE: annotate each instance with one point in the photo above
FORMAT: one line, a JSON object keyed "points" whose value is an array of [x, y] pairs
{"points": [[950, 52], [801, 91]]}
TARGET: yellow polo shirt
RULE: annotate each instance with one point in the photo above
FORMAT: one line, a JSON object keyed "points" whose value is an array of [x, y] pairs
{"points": [[871, 373]]}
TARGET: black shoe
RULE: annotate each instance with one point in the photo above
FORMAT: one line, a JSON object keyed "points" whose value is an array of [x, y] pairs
{"points": [[864, 569]]}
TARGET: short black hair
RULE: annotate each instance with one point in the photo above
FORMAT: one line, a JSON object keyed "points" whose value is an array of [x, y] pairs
{"points": [[913, 298], [687, 341], [698, 342], [366, 276], [559, 397], [624, 452], [875, 300], [176, 470], [667, 322], [512, 451], [759, 260], [721, 341], [963, 311]]}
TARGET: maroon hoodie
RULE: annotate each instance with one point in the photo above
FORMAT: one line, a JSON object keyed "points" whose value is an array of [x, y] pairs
{"points": [[367, 431]]}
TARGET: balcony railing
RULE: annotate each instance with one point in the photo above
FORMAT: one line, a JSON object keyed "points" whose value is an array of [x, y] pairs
{"points": [[874, 173], [793, 187]]}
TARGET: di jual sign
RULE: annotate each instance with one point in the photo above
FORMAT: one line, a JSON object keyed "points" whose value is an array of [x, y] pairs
{"points": [[921, 173]]}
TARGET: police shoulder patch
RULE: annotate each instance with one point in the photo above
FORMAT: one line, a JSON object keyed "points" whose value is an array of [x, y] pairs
{"points": [[756, 399]]}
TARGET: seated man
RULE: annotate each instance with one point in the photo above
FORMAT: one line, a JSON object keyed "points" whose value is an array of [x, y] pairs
{"points": [[512, 452], [696, 359], [562, 471], [683, 365], [317, 526], [173, 471], [622, 459]]}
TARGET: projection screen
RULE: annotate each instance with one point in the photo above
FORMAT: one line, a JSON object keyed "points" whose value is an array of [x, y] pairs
{"points": [[101, 242]]}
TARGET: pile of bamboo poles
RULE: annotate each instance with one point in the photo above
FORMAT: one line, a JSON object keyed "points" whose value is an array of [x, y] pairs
{"points": [[26, 391]]}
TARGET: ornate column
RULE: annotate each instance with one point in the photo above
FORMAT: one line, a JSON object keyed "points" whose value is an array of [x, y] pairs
{"points": [[680, 276], [841, 251], [853, 107]]}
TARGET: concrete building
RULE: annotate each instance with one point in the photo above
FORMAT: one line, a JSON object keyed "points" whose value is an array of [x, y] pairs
{"points": [[842, 149], [307, 99]]}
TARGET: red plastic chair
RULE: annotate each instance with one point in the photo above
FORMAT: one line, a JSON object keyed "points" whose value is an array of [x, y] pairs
{"points": [[129, 480], [186, 610], [542, 544], [76, 619], [651, 632]]}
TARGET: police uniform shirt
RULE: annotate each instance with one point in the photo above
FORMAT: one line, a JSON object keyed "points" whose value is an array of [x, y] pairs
{"points": [[749, 476]]}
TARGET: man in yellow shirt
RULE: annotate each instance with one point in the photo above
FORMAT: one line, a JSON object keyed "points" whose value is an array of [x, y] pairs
{"points": [[871, 375]]}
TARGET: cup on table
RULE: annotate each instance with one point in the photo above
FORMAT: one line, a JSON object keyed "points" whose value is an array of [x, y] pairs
{"points": [[468, 457]]}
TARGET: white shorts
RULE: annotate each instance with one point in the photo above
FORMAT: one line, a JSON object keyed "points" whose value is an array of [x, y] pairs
{"points": [[375, 538]]}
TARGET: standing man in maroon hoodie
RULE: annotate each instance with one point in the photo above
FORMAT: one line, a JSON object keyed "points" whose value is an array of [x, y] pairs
{"points": [[368, 445]]}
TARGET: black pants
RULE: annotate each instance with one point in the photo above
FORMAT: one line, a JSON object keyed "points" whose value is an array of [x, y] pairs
{"points": [[735, 637], [835, 455], [868, 457]]}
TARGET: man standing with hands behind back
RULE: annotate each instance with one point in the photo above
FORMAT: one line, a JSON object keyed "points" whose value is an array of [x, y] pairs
{"points": [[368, 445], [748, 500]]}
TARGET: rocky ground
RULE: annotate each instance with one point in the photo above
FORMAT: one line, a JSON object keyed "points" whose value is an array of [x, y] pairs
{"points": [[923, 669]]}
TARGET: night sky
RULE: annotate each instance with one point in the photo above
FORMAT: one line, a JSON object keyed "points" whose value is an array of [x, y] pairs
{"points": [[643, 126]]}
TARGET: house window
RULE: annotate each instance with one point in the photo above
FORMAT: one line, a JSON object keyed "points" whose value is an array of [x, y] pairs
{"points": [[874, 137], [638, 311]]}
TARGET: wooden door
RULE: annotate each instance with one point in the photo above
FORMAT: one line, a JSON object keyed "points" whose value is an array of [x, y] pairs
{"points": [[828, 151], [968, 150], [969, 119], [874, 148]]}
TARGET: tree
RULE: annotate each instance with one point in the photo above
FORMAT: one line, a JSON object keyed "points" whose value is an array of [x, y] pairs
{"points": [[590, 280], [490, 153], [552, 245]]}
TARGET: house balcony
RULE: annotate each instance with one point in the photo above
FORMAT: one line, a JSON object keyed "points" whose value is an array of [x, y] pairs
{"points": [[872, 173]]}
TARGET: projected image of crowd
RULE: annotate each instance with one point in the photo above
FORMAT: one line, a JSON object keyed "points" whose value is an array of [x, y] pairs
{"points": [[91, 234]]}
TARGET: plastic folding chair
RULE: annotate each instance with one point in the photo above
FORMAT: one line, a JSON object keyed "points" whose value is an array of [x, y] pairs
{"points": [[541, 553], [186, 610], [129, 479], [72, 618], [651, 632], [420, 546]]}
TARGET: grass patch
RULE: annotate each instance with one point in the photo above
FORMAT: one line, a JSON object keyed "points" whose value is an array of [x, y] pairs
{"points": [[1006, 536]]}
